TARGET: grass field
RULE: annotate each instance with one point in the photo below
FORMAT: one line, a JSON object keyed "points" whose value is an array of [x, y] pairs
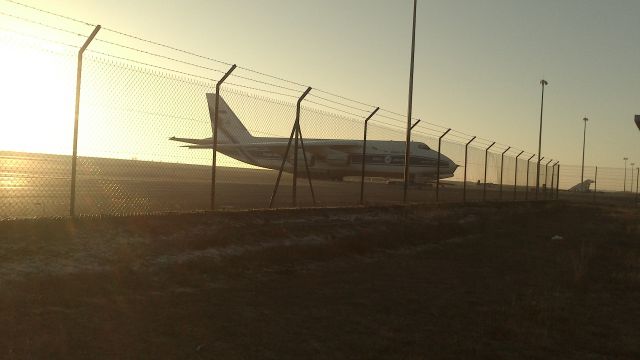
{"points": [[438, 282]]}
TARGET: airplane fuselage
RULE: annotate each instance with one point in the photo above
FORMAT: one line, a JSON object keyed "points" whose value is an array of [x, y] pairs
{"points": [[382, 159]]}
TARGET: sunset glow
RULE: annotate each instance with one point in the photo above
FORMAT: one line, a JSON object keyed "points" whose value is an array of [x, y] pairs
{"points": [[37, 94]]}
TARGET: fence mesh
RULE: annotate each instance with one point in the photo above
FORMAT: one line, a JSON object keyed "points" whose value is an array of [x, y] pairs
{"points": [[144, 138]]}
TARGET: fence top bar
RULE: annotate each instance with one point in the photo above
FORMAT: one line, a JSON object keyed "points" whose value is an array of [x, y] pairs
{"points": [[504, 152], [415, 124], [445, 133], [532, 156], [490, 146], [306, 92], [89, 39], [371, 115], [521, 152], [473, 138], [226, 75]]}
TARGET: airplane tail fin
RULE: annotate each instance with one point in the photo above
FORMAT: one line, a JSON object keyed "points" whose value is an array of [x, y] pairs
{"points": [[230, 129]]}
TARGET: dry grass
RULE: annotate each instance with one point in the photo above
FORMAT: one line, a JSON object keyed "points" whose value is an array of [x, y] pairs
{"points": [[435, 282]]}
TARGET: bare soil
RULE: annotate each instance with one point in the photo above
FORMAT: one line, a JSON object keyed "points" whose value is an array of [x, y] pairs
{"points": [[439, 282]]}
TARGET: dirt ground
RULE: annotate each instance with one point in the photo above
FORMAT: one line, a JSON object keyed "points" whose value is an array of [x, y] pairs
{"points": [[497, 280]]}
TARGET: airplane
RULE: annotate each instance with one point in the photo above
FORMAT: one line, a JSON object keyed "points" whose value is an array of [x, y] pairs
{"points": [[331, 159], [584, 186]]}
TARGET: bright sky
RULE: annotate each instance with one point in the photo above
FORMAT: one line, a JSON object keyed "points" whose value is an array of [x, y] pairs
{"points": [[478, 63]]}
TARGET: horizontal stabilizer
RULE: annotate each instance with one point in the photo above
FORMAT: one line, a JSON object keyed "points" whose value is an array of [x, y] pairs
{"points": [[192, 141]]}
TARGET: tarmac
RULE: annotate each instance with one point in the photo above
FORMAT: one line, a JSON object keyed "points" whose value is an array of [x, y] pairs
{"points": [[39, 185]]}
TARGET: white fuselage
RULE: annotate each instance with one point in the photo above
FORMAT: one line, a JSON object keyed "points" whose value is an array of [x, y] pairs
{"points": [[382, 159]]}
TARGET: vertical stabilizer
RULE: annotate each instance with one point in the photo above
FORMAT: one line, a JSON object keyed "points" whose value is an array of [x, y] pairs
{"points": [[230, 129]]}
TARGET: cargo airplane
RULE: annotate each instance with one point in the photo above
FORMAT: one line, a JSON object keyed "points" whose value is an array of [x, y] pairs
{"points": [[327, 158]]}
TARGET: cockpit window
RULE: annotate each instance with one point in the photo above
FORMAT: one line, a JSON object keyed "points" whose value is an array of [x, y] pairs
{"points": [[423, 147]]}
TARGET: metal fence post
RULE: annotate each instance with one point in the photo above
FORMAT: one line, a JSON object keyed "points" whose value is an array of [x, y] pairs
{"points": [[501, 169], [408, 163], [526, 193], [294, 132], [438, 164], [538, 175], [624, 183], [515, 180], [632, 164], [553, 176], [484, 187], [637, 178], [295, 153], [284, 160], [306, 166], [464, 183], [214, 130], [294, 187], [595, 185], [364, 153], [558, 182], [74, 157], [546, 178]]}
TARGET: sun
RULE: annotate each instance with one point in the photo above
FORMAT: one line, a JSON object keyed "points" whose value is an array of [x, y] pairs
{"points": [[37, 88]]}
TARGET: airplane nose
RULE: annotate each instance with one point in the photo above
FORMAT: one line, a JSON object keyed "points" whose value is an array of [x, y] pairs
{"points": [[452, 166]]}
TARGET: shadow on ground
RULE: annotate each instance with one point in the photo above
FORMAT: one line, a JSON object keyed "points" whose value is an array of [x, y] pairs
{"points": [[498, 280]]}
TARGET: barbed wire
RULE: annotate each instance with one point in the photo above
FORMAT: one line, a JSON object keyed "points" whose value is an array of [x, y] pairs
{"points": [[333, 108], [262, 90], [271, 76], [49, 12], [262, 82], [341, 104], [39, 23], [38, 37], [151, 65], [158, 55]]}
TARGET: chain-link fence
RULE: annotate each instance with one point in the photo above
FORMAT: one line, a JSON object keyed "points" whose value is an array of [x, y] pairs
{"points": [[145, 137]]}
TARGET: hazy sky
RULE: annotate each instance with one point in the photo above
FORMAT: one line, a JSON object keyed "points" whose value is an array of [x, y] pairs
{"points": [[478, 63]]}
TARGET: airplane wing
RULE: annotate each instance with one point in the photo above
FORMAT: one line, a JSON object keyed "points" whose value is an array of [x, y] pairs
{"points": [[312, 146]]}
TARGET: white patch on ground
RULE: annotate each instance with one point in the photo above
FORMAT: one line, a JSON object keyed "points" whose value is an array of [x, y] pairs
{"points": [[234, 250], [88, 253], [103, 249]]}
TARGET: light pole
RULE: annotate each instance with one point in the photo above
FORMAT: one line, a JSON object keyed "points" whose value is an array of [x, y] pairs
{"points": [[408, 135], [624, 189], [584, 141], [544, 83]]}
